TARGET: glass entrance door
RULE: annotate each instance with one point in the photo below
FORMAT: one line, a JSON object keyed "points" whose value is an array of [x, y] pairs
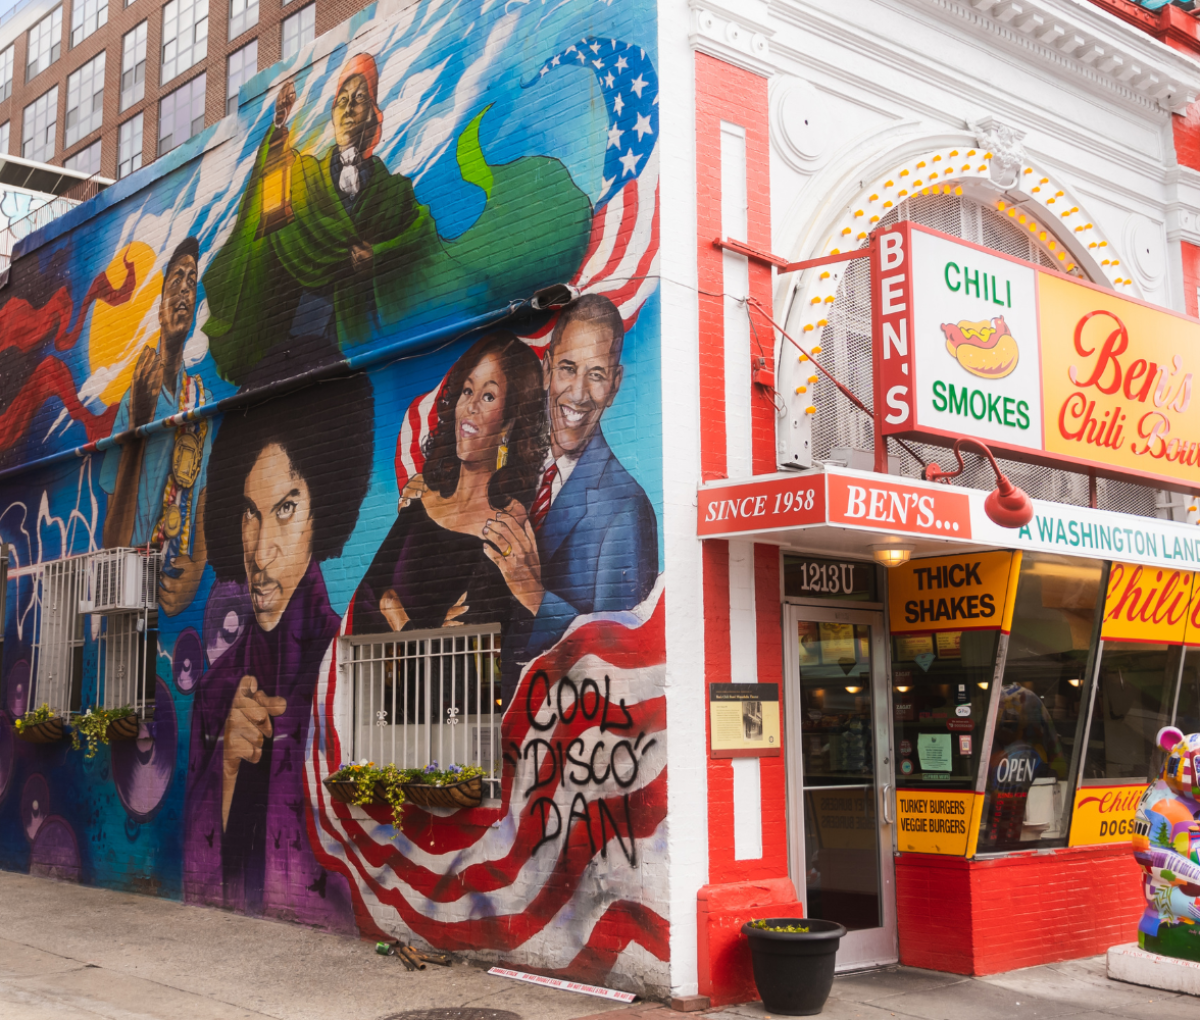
{"points": [[840, 769]]}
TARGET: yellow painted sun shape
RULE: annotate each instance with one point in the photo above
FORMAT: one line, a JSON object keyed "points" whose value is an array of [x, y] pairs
{"points": [[117, 333]]}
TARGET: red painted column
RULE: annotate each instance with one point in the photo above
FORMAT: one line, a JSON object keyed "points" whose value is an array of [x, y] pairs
{"points": [[1191, 276], [727, 93]]}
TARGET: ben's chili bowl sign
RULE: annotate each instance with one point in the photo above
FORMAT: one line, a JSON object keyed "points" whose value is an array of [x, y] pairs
{"points": [[1118, 382], [973, 342], [862, 500]]}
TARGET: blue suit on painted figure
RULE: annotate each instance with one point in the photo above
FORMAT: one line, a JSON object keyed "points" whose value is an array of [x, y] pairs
{"points": [[596, 531]]}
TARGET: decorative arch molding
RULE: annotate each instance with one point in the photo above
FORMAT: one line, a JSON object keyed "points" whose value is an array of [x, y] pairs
{"points": [[988, 165]]}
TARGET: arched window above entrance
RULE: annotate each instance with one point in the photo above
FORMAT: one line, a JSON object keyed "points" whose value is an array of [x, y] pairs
{"points": [[844, 336]]}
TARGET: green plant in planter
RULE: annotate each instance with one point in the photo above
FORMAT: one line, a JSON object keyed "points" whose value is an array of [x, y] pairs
{"points": [[93, 727], [33, 717], [387, 782], [795, 929], [371, 781]]}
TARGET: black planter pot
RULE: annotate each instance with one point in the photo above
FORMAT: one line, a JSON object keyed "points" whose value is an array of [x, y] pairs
{"points": [[794, 970]]}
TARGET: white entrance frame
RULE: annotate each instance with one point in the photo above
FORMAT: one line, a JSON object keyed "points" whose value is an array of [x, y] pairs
{"points": [[872, 947]]}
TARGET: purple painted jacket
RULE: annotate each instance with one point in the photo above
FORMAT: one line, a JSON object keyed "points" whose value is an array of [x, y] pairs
{"points": [[263, 863]]}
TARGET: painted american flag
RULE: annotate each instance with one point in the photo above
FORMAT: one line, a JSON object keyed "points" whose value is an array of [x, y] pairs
{"points": [[563, 877], [567, 874], [622, 255]]}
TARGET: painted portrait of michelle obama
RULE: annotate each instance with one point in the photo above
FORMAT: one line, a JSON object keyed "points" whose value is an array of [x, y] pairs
{"points": [[449, 559]]}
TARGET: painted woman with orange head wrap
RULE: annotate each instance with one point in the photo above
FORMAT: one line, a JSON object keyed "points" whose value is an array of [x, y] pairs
{"points": [[311, 270], [335, 247]]}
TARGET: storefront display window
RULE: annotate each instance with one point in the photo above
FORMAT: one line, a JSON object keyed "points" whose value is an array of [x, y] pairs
{"points": [[1042, 703], [1134, 700], [1187, 710], [940, 685]]}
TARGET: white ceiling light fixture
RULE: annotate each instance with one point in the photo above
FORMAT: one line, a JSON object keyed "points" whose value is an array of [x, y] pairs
{"points": [[893, 554]]}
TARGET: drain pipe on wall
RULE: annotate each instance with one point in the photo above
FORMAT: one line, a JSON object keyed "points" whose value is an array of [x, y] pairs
{"points": [[548, 298]]}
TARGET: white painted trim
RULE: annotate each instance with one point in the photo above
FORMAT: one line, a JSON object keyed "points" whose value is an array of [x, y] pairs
{"points": [[686, 865], [739, 35], [747, 809]]}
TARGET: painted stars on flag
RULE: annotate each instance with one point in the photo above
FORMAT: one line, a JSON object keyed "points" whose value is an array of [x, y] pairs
{"points": [[630, 86]]}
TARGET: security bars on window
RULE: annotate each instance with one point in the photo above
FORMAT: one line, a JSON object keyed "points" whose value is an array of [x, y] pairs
{"points": [[427, 698], [128, 658], [58, 641]]}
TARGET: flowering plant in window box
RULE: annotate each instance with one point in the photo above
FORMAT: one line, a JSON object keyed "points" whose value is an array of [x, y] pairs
{"points": [[363, 782], [40, 726], [453, 787], [103, 725]]}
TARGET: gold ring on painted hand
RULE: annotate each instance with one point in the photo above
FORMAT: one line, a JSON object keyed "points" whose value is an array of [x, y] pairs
{"points": [[507, 552]]}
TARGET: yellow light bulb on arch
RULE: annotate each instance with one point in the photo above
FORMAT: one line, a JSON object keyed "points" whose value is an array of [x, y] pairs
{"points": [[1029, 181]]}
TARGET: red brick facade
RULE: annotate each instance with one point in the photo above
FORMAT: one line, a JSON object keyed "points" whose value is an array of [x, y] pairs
{"points": [[986, 916]]}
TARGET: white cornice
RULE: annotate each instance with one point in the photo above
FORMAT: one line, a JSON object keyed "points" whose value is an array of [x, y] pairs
{"points": [[738, 35], [812, 61], [1082, 42], [1182, 207]]}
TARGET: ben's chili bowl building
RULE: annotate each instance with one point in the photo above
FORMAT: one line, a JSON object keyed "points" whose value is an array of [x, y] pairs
{"points": [[918, 223], [575, 392]]}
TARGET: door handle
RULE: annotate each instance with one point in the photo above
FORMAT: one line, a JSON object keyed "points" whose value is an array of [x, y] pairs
{"points": [[888, 815]]}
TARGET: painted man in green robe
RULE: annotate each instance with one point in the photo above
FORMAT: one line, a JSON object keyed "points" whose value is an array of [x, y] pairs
{"points": [[344, 251]]}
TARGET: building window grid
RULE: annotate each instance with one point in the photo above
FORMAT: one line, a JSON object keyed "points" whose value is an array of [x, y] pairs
{"points": [[129, 146], [133, 66], [4, 129], [299, 30], [45, 44], [85, 100], [181, 114], [39, 127], [242, 66], [243, 15], [184, 36], [86, 160], [7, 58], [86, 17]]}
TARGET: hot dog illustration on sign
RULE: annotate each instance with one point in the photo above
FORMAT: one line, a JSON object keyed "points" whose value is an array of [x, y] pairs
{"points": [[986, 349]]}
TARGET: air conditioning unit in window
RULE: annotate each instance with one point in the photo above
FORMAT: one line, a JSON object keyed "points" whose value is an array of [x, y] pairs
{"points": [[121, 580]]}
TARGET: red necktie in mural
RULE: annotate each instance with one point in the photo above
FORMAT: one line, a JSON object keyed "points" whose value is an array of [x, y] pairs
{"points": [[541, 504]]}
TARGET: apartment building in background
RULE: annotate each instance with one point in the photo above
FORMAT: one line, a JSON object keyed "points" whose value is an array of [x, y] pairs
{"points": [[105, 86]]}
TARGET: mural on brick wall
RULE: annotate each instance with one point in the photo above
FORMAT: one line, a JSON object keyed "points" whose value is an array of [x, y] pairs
{"points": [[404, 512]]}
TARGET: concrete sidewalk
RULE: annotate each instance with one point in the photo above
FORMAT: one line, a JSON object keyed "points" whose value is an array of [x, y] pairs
{"points": [[75, 953]]}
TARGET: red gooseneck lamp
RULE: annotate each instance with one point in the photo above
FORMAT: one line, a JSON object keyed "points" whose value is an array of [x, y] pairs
{"points": [[1007, 505]]}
